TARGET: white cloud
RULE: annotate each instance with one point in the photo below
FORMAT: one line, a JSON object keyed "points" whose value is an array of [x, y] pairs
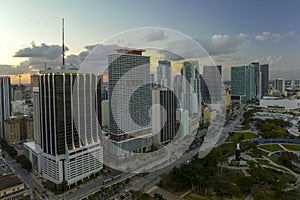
{"points": [[243, 36], [273, 36], [156, 36]]}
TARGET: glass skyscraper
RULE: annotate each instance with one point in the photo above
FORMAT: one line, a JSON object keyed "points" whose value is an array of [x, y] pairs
{"points": [[129, 101], [5, 98], [243, 85]]}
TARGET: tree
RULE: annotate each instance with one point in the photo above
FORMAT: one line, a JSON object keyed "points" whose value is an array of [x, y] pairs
{"points": [[158, 197]]}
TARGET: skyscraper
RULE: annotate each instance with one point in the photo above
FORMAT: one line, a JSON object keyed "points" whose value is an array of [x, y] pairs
{"points": [[264, 70], [163, 115], [178, 87], [5, 98], [213, 87], [257, 79], [129, 101], [280, 84], [243, 83], [191, 87], [66, 110], [164, 73]]}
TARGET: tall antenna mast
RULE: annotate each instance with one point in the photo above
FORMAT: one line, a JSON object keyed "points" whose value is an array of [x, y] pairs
{"points": [[63, 43]]}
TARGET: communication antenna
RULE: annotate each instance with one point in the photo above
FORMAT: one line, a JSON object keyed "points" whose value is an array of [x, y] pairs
{"points": [[63, 44]]}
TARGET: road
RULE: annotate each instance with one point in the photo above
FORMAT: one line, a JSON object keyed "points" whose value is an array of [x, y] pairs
{"points": [[26, 177]]}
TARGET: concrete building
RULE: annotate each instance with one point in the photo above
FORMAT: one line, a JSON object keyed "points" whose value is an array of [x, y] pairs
{"points": [[212, 90], [280, 103], [243, 87], [18, 128], [280, 85], [264, 75], [164, 104], [5, 98], [164, 74], [209, 114], [66, 111], [105, 114], [191, 88], [11, 187], [183, 117], [129, 102], [178, 87]]}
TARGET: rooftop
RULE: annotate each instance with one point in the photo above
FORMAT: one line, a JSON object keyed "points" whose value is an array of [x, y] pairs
{"points": [[9, 181]]}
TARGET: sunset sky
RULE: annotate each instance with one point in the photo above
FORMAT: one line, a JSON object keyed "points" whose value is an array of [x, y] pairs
{"points": [[234, 32]]}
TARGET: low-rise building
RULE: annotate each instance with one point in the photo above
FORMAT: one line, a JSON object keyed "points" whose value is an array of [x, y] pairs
{"points": [[18, 128], [11, 187]]}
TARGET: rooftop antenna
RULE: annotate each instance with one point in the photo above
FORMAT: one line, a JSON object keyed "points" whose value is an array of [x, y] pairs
{"points": [[63, 44]]}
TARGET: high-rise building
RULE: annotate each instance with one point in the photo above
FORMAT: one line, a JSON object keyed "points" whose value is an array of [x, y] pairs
{"points": [[164, 74], [129, 101], [280, 84], [178, 87], [152, 80], [5, 99], [243, 87], [191, 87], [164, 104], [264, 74], [213, 87], [66, 112], [257, 79], [105, 114]]}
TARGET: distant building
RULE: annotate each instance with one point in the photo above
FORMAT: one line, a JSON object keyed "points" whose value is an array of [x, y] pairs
{"points": [[209, 114], [164, 74], [178, 87], [105, 114], [264, 70], [243, 86], [163, 115], [280, 85], [183, 117], [18, 128], [213, 87], [5, 98], [191, 88]]}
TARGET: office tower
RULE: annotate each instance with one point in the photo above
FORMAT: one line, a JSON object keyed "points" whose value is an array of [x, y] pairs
{"points": [[129, 101], [257, 79], [105, 114], [183, 117], [178, 87], [280, 84], [264, 83], [191, 88], [152, 80], [164, 104], [5, 98], [242, 84], [164, 74], [68, 106], [213, 87]]}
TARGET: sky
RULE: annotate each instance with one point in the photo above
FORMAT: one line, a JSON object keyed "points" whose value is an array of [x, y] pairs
{"points": [[233, 32]]}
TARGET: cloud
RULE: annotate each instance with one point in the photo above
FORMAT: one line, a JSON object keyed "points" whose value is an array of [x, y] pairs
{"points": [[243, 36], [156, 36], [218, 44], [273, 36], [43, 51]]}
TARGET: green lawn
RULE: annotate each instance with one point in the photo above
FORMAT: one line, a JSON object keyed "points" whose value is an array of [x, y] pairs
{"points": [[271, 147], [292, 147], [247, 135]]}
